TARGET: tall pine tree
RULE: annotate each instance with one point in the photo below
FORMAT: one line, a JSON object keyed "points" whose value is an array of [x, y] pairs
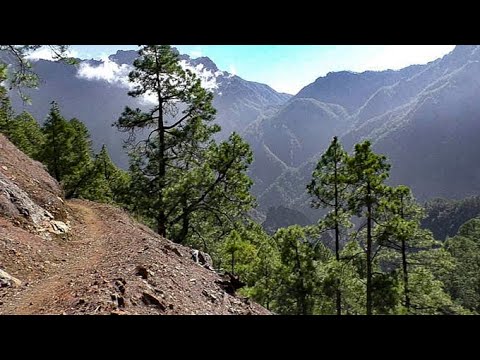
{"points": [[57, 152], [184, 183], [329, 187], [80, 157], [158, 74], [407, 246], [368, 172], [67, 150], [298, 272]]}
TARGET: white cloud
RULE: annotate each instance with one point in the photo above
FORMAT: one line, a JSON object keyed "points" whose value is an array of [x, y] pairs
{"points": [[206, 76], [113, 73], [108, 71], [233, 69], [44, 53]]}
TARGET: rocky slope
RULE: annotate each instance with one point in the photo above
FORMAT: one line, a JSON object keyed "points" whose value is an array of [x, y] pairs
{"points": [[79, 257]]}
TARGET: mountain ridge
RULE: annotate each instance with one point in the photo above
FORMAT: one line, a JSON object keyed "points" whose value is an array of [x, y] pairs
{"points": [[95, 91], [391, 115], [289, 133]]}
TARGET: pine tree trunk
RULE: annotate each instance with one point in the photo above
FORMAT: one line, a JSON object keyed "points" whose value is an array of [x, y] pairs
{"points": [[405, 276], [404, 266], [267, 277], [338, 294], [369, 252], [56, 170], [161, 218], [302, 296], [337, 256]]}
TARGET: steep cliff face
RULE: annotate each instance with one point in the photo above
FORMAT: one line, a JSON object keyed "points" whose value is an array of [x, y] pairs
{"points": [[79, 257]]}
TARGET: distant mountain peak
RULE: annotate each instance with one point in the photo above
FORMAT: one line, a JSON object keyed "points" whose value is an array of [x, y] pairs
{"points": [[103, 84], [207, 62], [128, 57], [124, 57], [338, 74]]}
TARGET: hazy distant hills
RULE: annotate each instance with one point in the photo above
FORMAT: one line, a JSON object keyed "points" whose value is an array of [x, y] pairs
{"points": [[96, 93], [425, 118]]}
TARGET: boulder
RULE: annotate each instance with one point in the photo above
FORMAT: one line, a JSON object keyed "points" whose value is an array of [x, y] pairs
{"points": [[202, 258], [149, 299], [230, 283], [59, 227], [14, 202], [7, 280]]}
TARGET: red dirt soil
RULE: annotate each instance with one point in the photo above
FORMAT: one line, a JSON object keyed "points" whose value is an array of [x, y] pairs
{"points": [[106, 264]]}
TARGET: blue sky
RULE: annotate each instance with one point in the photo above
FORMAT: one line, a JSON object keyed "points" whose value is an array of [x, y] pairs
{"points": [[288, 68]]}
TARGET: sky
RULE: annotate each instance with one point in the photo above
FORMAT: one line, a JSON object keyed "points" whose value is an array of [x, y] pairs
{"points": [[288, 68]]}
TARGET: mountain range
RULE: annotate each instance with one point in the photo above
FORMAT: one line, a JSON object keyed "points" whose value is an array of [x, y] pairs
{"points": [[425, 118], [95, 91]]}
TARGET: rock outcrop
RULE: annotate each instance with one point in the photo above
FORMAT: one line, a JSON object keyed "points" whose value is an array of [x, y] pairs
{"points": [[8, 280]]}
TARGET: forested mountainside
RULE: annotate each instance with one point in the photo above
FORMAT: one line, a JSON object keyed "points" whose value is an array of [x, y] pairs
{"points": [[282, 217], [424, 117], [73, 232], [445, 217], [96, 92], [415, 116]]}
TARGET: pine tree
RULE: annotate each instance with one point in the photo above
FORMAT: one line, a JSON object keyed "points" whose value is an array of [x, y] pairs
{"points": [[183, 182], [25, 132], [402, 219], [22, 130], [238, 254], [102, 181], [329, 187], [116, 180], [6, 111], [57, 152], [263, 276], [215, 191], [351, 270], [79, 157], [463, 282], [368, 172], [298, 272], [158, 73], [66, 151], [421, 259]]}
